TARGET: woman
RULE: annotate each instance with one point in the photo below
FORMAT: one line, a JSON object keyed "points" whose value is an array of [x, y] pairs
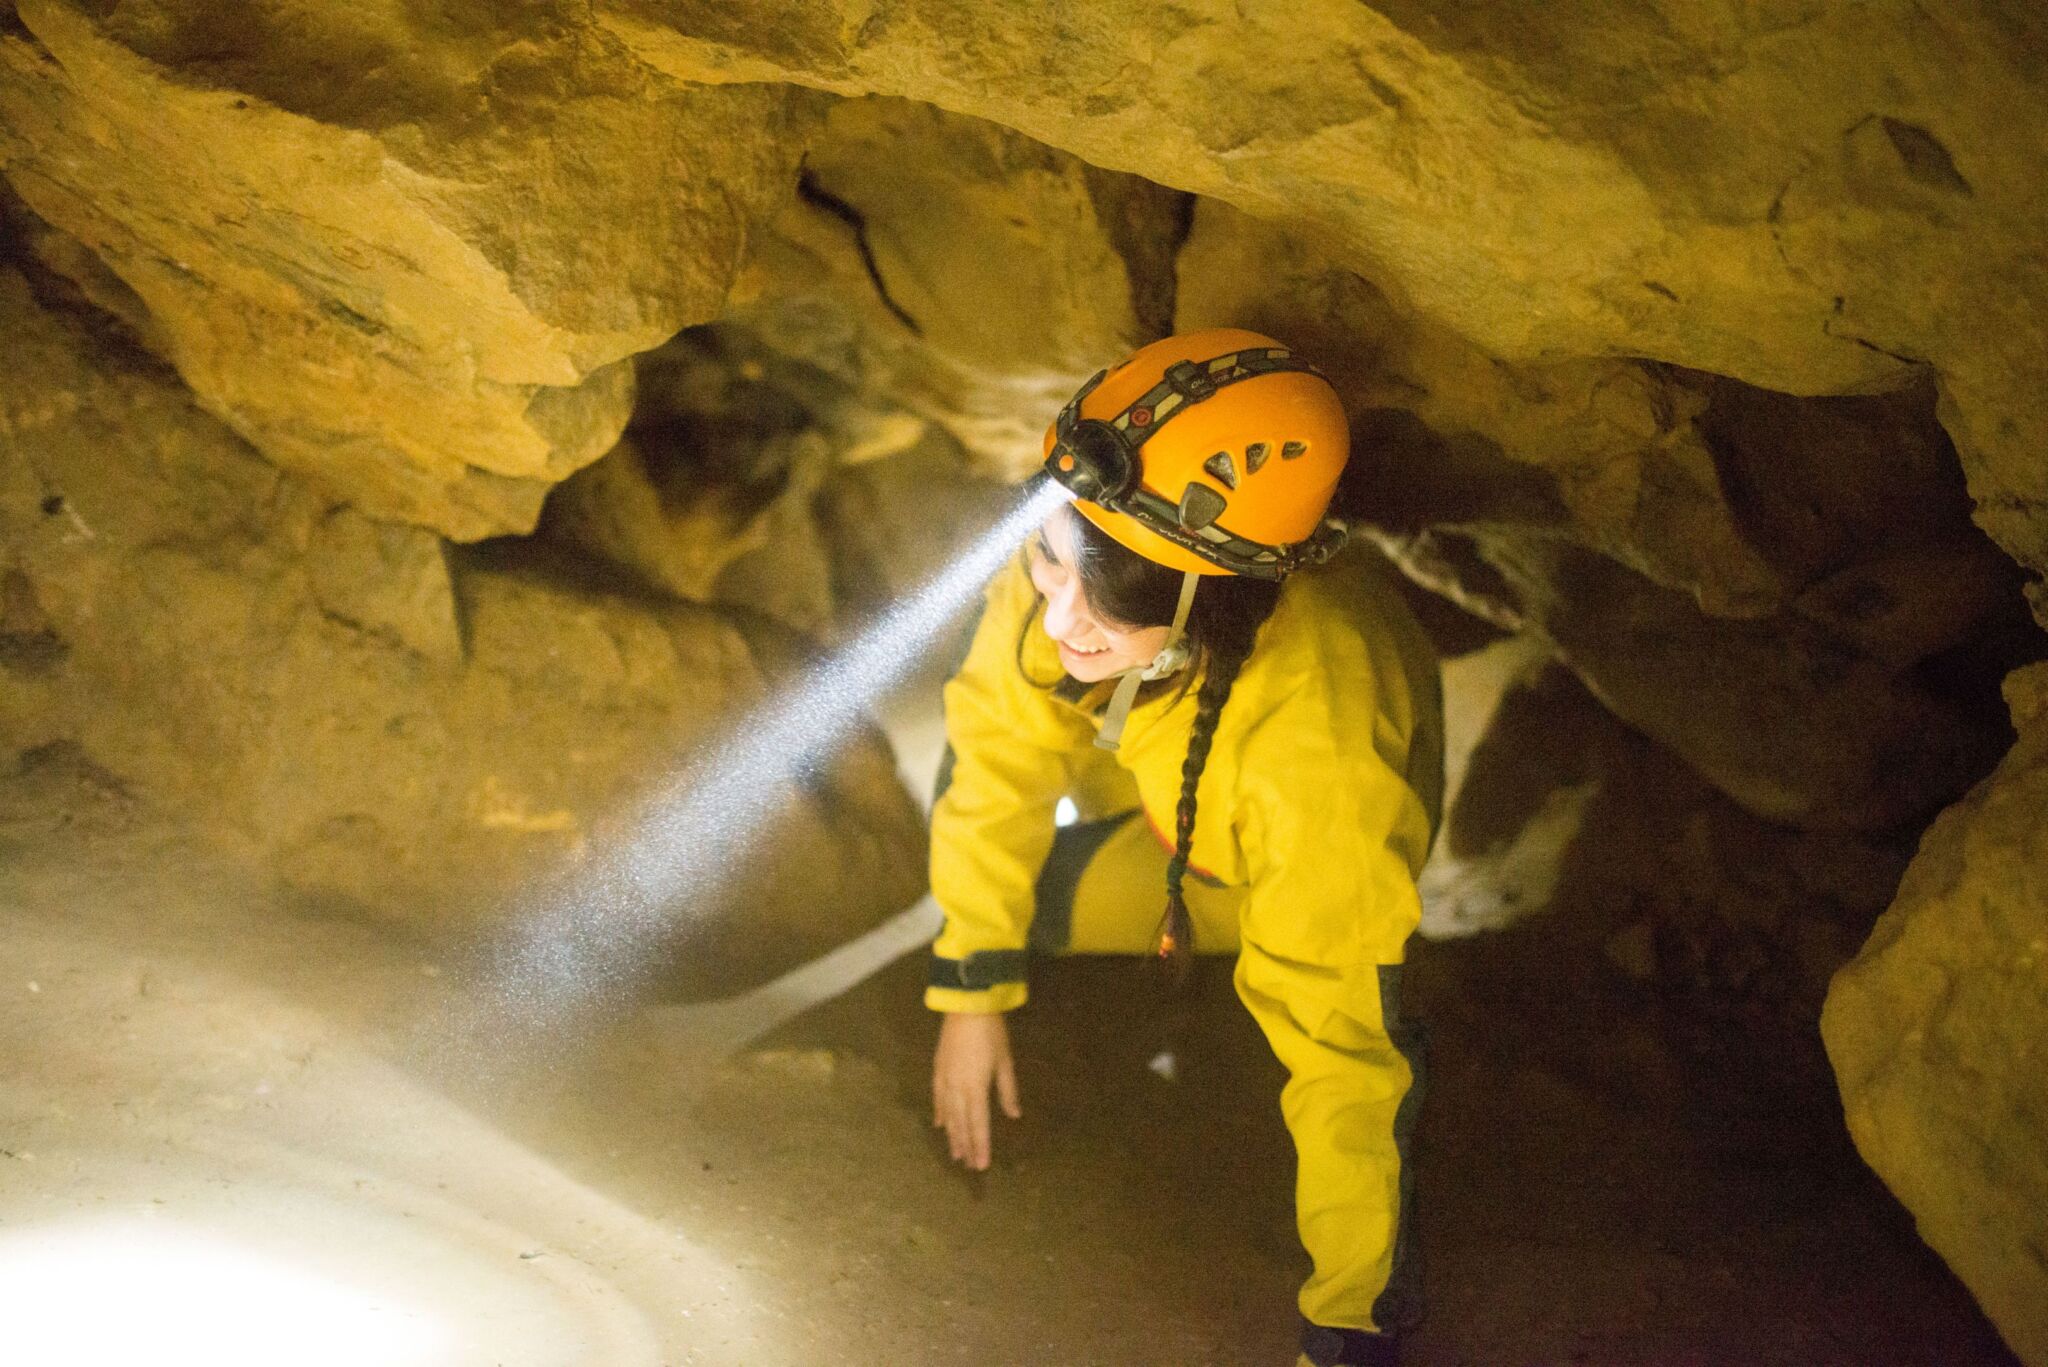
{"points": [[1171, 654]]}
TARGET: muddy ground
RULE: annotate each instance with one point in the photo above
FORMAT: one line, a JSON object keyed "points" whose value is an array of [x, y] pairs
{"points": [[192, 1052]]}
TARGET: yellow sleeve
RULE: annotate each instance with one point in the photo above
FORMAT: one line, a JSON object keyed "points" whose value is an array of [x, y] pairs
{"points": [[1333, 838], [1010, 750]]}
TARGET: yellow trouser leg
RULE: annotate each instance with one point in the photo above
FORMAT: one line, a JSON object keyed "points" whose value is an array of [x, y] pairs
{"points": [[1349, 1103]]}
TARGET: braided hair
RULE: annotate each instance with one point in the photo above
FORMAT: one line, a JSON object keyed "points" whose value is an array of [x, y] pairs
{"points": [[1221, 629]]}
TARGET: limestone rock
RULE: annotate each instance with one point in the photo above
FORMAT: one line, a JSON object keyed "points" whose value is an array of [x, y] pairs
{"points": [[1861, 701], [404, 260], [892, 524], [208, 631], [705, 541], [754, 479], [714, 495], [1936, 1033], [1615, 447], [1781, 714], [972, 274], [386, 578], [1810, 199]]}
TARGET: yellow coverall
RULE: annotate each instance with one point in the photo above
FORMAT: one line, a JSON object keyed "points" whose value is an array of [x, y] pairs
{"points": [[1314, 815]]}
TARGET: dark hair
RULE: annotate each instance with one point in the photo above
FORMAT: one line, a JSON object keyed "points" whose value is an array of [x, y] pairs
{"points": [[1222, 627]]}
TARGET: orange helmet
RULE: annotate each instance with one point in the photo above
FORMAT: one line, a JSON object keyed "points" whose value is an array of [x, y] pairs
{"points": [[1213, 452]]}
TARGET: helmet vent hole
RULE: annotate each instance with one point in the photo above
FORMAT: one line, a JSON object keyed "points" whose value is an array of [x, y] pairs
{"points": [[1292, 449], [1255, 456], [1199, 506], [1222, 469]]}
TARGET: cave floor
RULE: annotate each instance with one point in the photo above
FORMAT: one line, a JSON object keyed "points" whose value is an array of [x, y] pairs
{"points": [[202, 1058]]}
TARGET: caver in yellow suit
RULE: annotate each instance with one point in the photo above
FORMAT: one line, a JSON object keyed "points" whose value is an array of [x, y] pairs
{"points": [[1318, 802]]}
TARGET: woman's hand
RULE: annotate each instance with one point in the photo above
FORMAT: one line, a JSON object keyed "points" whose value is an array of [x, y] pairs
{"points": [[974, 1050]]}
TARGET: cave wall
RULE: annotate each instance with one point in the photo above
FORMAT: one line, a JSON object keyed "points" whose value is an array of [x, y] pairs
{"points": [[1698, 344], [391, 730], [403, 254]]}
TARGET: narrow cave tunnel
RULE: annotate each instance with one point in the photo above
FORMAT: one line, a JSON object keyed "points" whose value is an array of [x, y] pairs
{"points": [[490, 498]]}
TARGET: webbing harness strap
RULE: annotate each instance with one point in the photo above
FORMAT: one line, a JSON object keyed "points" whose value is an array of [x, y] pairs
{"points": [[1111, 733], [1190, 382]]}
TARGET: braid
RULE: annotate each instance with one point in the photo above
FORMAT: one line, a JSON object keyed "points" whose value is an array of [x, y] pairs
{"points": [[1176, 928], [1224, 622]]}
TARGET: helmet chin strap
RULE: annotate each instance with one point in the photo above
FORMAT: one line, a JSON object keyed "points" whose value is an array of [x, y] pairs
{"points": [[1171, 656]]}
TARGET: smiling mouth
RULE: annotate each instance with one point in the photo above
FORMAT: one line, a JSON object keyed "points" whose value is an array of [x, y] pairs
{"points": [[1084, 654]]}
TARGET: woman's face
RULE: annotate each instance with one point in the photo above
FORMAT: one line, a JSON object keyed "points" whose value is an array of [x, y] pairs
{"points": [[1092, 647]]}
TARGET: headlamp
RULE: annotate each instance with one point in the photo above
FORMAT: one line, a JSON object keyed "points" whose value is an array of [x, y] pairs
{"points": [[1093, 461]]}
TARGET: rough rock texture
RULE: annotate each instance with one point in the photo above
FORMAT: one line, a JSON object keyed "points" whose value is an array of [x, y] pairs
{"points": [[711, 497], [686, 536], [752, 479], [184, 623], [1758, 581], [1615, 454], [1808, 197], [1937, 1032], [403, 254], [971, 274], [1784, 715]]}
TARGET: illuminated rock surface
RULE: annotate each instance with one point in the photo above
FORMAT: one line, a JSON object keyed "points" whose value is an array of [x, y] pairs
{"points": [[384, 282], [413, 734], [1937, 1034]]}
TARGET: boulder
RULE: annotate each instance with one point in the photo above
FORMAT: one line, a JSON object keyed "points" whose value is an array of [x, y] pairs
{"points": [[1782, 714], [1936, 1034]]}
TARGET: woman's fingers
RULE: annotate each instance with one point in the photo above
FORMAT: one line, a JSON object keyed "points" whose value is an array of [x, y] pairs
{"points": [[977, 1128], [972, 1059], [950, 1111], [956, 1127], [1006, 1086]]}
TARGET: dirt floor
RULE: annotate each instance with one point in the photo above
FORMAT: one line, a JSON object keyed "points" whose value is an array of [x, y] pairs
{"points": [[210, 1081]]}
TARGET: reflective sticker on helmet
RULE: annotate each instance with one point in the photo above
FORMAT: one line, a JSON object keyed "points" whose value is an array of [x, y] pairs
{"points": [[1222, 469], [1289, 450], [1254, 457]]}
